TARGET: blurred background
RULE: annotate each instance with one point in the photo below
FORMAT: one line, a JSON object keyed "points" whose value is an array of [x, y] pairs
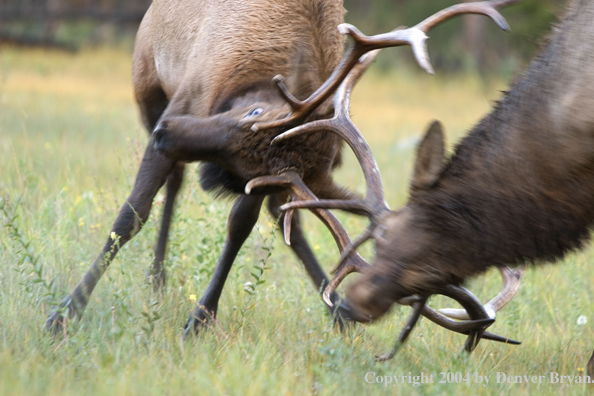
{"points": [[468, 43]]}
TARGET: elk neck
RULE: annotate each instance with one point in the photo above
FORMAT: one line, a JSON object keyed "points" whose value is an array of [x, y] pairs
{"points": [[520, 186]]}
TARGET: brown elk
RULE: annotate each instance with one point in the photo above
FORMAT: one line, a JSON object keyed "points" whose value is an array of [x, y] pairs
{"points": [[518, 188], [202, 78], [207, 66]]}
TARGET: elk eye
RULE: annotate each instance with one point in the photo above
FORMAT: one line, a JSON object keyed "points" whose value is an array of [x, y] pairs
{"points": [[254, 112]]}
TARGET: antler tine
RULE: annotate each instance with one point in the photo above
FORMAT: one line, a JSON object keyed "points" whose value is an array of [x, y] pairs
{"points": [[475, 329], [477, 312], [362, 238], [415, 37], [488, 8], [345, 265], [341, 124], [511, 284], [336, 280], [374, 203], [462, 327], [406, 330], [287, 226], [290, 179], [326, 204], [293, 181]]}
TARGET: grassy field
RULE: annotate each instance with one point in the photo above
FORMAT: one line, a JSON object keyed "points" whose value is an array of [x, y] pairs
{"points": [[70, 145]]}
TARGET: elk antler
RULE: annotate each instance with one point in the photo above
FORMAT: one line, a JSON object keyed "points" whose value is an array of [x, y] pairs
{"points": [[374, 204], [347, 74], [292, 180], [511, 284], [345, 77], [414, 36], [354, 262], [475, 329]]}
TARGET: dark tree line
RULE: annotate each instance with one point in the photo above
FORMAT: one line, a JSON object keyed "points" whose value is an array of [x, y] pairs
{"points": [[67, 23], [469, 41]]}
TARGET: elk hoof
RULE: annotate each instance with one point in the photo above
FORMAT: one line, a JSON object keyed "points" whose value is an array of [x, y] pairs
{"points": [[385, 357], [343, 315], [157, 278], [198, 320], [55, 323]]}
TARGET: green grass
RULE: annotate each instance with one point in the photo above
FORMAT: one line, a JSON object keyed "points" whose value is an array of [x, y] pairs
{"points": [[70, 145]]}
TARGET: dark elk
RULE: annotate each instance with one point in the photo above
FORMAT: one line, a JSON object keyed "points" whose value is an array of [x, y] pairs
{"points": [[203, 76], [518, 188]]}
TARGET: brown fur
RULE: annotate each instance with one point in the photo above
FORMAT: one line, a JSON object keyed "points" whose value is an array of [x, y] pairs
{"points": [[204, 49], [519, 188]]}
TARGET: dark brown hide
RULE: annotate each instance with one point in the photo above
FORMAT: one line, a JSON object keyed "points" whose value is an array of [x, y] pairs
{"points": [[519, 188]]}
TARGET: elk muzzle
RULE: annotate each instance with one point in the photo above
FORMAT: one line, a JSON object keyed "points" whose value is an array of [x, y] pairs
{"points": [[189, 138], [373, 293]]}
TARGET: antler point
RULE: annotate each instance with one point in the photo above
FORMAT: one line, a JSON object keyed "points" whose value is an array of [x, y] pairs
{"points": [[326, 298], [343, 28]]}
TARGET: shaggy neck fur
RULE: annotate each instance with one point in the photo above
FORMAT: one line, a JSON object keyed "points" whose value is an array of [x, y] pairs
{"points": [[520, 186]]}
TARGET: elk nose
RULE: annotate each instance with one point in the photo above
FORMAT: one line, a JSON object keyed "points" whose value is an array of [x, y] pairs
{"points": [[159, 136], [347, 309]]}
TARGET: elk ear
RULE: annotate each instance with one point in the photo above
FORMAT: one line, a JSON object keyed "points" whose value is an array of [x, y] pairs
{"points": [[430, 158]]}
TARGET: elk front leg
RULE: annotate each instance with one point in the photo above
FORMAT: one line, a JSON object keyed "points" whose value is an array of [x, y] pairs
{"points": [[242, 219], [304, 253], [152, 174], [174, 182]]}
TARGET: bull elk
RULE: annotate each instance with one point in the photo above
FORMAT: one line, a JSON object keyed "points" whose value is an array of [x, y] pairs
{"points": [[202, 70], [202, 78], [518, 189]]}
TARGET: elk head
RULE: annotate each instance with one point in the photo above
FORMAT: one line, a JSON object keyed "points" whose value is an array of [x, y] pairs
{"points": [[227, 140]]}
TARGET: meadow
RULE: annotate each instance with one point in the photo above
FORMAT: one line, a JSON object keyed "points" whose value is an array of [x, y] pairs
{"points": [[70, 146]]}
